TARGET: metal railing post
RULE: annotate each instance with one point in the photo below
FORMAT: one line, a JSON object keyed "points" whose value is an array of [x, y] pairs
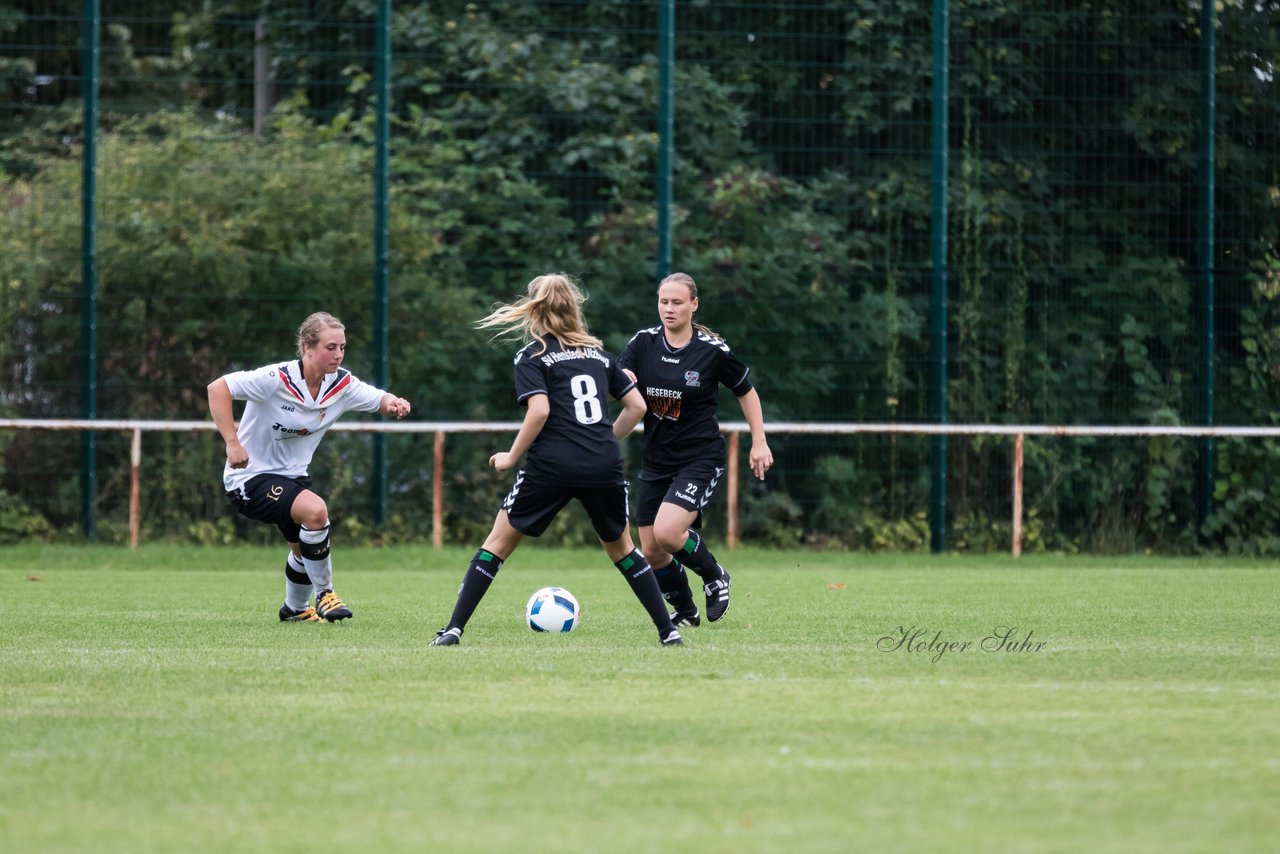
{"points": [[732, 536], [1017, 494]]}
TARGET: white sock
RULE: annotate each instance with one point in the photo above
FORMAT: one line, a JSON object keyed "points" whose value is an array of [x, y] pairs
{"points": [[296, 595], [320, 571]]}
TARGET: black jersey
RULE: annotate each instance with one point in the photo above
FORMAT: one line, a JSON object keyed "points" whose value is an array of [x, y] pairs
{"points": [[576, 445], [681, 388]]}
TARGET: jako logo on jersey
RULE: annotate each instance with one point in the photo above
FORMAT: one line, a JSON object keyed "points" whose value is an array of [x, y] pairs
{"points": [[287, 408], [691, 378], [289, 432]]}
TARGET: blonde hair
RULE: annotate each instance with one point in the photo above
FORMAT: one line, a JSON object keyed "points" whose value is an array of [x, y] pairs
{"points": [[687, 280], [551, 306], [311, 328]]}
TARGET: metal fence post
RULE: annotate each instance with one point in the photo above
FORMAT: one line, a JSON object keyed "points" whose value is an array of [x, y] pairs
{"points": [[382, 265], [938, 294], [1208, 112], [263, 91], [89, 268], [666, 131]]}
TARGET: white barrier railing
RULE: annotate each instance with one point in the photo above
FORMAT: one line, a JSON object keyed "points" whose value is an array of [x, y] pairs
{"points": [[733, 429]]}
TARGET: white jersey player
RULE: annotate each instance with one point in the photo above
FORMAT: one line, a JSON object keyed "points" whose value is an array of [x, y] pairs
{"points": [[290, 406]]}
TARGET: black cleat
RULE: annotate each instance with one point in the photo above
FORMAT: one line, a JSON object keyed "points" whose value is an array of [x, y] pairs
{"points": [[330, 607], [672, 638], [717, 591], [681, 620], [686, 613], [306, 615], [447, 637]]}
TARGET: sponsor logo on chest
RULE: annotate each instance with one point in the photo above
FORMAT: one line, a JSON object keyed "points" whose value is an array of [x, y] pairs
{"points": [[289, 432]]}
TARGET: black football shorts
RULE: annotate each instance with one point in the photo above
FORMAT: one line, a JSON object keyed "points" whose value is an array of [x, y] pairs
{"points": [[269, 498], [689, 489], [534, 500]]}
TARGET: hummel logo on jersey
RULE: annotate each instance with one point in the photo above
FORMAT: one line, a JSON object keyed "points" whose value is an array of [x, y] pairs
{"points": [[713, 340], [670, 361]]}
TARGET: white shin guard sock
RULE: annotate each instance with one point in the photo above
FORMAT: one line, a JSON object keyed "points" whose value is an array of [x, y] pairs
{"points": [[319, 571], [296, 594]]}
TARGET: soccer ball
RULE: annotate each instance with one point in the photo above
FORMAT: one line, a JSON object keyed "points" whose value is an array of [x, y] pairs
{"points": [[552, 609]]}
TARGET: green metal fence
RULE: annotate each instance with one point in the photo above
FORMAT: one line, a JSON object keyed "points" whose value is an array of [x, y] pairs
{"points": [[974, 212]]}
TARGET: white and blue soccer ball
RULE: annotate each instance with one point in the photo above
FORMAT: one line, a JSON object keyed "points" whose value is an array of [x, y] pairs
{"points": [[552, 609]]}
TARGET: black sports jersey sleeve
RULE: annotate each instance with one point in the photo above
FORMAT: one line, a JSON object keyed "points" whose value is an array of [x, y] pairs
{"points": [[619, 382], [576, 445], [681, 389]]}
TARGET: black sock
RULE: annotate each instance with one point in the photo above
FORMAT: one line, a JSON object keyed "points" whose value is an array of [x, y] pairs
{"points": [[699, 558], [484, 566], [636, 571], [674, 585]]}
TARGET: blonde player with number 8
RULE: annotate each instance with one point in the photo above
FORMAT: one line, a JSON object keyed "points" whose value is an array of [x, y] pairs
{"points": [[562, 378]]}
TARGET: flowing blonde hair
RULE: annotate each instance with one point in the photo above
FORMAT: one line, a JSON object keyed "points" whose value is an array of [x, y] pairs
{"points": [[687, 280], [551, 306], [309, 331]]}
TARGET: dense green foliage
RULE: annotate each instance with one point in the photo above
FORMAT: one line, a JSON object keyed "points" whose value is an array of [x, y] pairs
{"points": [[524, 140]]}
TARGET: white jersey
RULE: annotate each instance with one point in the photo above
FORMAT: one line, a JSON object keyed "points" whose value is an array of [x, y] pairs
{"points": [[283, 424]]}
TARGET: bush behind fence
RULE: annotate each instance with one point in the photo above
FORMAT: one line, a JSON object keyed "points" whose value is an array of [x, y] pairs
{"points": [[524, 139]]}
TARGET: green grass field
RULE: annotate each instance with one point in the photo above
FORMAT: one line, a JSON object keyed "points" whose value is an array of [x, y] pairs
{"points": [[150, 701]]}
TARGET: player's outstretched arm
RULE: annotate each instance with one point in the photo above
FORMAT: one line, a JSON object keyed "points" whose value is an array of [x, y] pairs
{"points": [[761, 457], [224, 418], [633, 409], [392, 405], [537, 408]]}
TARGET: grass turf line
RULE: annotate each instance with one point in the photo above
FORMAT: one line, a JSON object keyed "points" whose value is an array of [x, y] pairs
{"points": [[151, 701]]}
